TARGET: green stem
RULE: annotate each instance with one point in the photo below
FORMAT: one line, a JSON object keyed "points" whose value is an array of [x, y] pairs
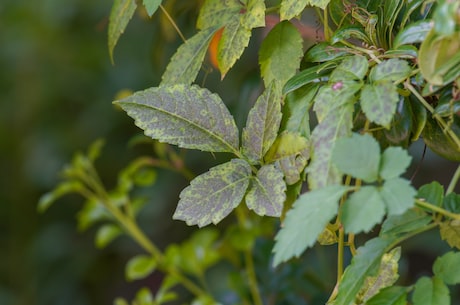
{"points": [[340, 252], [454, 181], [437, 209], [173, 23], [412, 233], [253, 285]]}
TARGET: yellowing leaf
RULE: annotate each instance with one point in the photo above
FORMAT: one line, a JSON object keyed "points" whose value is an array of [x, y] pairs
{"points": [[450, 232], [292, 8], [122, 11], [217, 13], [191, 117], [211, 196]]}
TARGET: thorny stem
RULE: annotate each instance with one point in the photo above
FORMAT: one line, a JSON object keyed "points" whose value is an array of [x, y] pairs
{"points": [[179, 32], [454, 181]]}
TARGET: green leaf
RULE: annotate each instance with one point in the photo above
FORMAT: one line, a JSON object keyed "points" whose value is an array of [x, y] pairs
{"points": [[62, 189], [394, 295], [432, 193], [393, 69], [450, 232], [398, 195], [350, 31], [308, 76], [446, 268], [431, 292], [92, 212], [122, 11], [452, 202], [144, 297], [322, 171], [378, 101], [306, 220], [356, 65], [139, 267], [267, 193], [365, 263], [280, 53], [413, 33], [199, 252], [262, 124], [106, 234], [394, 162], [151, 6], [324, 51], [186, 62], [235, 38], [217, 13], [120, 301], [211, 196], [409, 221], [191, 117], [358, 156], [363, 210]]}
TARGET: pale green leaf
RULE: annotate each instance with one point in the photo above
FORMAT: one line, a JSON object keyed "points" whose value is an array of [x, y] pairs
{"points": [[358, 156], [450, 232], [107, 234], [394, 162], [446, 268], [431, 292], [411, 220], [211, 196], [393, 69], [282, 45], [306, 220], [121, 13], [191, 117], [363, 210], [92, 212], [151, 6], [262, 124], [378, 101], [394, 295], [217, 13], [365, 263], [413, 33], [254, 15], [120, 301], [356, 65], [386, 276], [398, 195], [308, 76], [144, 297], [235, 38], [337, 124], [267, 193], [432, 193], [62, 189], [186, 62], [139, 267], [292, 8]]}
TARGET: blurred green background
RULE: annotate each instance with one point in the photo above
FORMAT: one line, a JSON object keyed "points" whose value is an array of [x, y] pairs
{"points": [[56, 88]]}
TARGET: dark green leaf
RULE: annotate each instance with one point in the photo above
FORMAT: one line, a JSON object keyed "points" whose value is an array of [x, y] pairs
{"points": [[365, 263], [431, 292], [307, 76], [267, 193], [394, 295], [432, 193], [186, 62], [139, 267], [358, 156], [151, 6], [356, 65], [214, 194], [306, 220], [409, 221], [363, 210], [413, 33], [450, 232], [446, 268], [404, 51], [324, 51], [350, 31], [378, 101], [394, 162], [262, 124], [62, 189], [106, 234], [451, 202], [337, 124], [190, 117], [393, 69], [280, 53], [122, 11], [398, 195], [217, 13]]}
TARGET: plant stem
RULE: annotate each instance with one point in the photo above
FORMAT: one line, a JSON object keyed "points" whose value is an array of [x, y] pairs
{"points": [[454, 181], [410, 234], [437, 209], [340, 252], [253, 285], [173, 23]]}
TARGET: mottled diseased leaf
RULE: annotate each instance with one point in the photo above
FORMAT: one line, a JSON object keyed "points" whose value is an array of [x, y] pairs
{"points": [[262, 124], [337, 124], [363, 210], [106, 234], [393, 69], [413, 33], [254, 14], [235, 38], [139, 267], [186, 62], [64, 188], [306, 220], [386, 276], [211, 196], [411, 220], [217, 13], [364, 264], [292, 8], [267, 193], [430, 291], [121, 13], [394, 162], [358, 156], [151, 6], [190, 117], [450, 232], [378, 101], [432, 193], [394, 295], [398, 195], [356, 65], [282, 45], [446, 268]]}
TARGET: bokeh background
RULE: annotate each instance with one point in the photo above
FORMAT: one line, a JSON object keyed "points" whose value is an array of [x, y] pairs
{"points": [[56, 88]]}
